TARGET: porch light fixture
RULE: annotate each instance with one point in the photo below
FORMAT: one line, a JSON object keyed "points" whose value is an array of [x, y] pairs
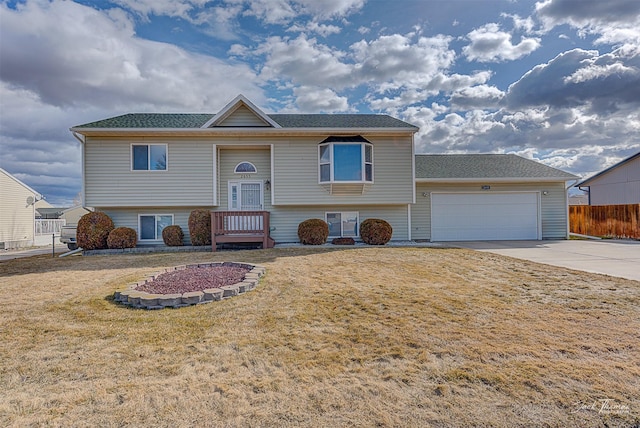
{"points": [[545, 192], [267, 184]]}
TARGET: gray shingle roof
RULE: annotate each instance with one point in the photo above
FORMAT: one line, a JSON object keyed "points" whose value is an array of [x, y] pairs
{"points": [[197, 120], [151, 120], [338, 121], [481, 166]]}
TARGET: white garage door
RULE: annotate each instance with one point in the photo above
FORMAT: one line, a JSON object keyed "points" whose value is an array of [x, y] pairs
{"points": [[484, 216]]}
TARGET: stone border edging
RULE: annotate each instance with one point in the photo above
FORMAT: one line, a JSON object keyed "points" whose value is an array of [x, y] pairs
{"points": [[143, 300]]}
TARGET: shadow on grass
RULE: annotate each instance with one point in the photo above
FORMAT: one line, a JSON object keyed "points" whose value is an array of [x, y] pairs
{"points": [[41, 264]]}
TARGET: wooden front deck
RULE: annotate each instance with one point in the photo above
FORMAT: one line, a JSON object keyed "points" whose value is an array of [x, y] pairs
{"points": [[240, 227]]}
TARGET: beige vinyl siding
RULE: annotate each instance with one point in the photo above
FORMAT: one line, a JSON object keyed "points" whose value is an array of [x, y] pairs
{"points": [[129, 217], [242, 116], [16, 215], [553, 205], [229, 158], [110, 182], [296, 173], [72, 215], [620, 186], [285, 220]]}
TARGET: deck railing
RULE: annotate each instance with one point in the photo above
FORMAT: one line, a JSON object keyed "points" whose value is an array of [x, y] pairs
{"points": [[49, 226], [240, 227]]}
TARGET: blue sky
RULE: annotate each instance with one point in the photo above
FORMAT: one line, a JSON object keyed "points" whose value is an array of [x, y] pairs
{"points": [[554, 80]]}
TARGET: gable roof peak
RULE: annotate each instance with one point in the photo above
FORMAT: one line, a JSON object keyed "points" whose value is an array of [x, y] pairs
{"points": [[234, 105]]}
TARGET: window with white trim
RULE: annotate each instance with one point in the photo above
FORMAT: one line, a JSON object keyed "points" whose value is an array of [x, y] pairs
{"points": [[245, 168], [349, 161], [149, 157], [150, 226], [343, 224]]}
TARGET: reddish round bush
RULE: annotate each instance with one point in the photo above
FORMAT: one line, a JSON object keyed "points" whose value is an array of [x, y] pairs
{"points": [[313, 231], [343, 241], [122, 237], [93, 230], [200, 227], [173, 236], [374, 231]]}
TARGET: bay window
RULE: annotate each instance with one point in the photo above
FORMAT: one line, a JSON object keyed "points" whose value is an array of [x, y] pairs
{"points": [[345, 160]]}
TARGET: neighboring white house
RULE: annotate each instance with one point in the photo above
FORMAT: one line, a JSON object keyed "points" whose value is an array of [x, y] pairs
{"points": [[616, 185], [17, 212], [150, 170]]}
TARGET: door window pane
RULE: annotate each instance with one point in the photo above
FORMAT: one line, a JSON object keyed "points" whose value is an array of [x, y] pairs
{"points": [[234, 197], [250, 197]]}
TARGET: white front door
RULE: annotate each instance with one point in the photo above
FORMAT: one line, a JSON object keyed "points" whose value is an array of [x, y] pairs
{"points": [[245, 196]]}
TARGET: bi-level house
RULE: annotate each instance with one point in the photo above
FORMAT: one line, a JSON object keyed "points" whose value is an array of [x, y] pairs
{"points": [[151, 170]]}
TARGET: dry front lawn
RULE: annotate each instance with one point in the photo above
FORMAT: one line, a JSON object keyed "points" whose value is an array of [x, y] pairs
{"points": [[365, 337]]}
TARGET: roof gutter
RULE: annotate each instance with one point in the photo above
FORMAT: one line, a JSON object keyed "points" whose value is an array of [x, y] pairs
{"points": [[78, 136], [494, 180], [240, 131]]}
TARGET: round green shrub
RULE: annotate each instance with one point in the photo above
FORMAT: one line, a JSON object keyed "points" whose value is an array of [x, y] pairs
{"points": [[93, 230], [374, 231], [313, 231], [173, 236], [200, 227], [122, 237]]}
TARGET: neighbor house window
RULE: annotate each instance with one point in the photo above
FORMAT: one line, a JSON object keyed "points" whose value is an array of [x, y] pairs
{"points": [[150, 226], [149, 157], [245, 168], [343, 224], [345, 161]]}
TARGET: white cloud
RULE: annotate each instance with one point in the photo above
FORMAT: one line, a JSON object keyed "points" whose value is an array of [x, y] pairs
{"points": [[615, 21], [315, 100], [285, 11], [479, 96], [600, 83], [145, 8], [313, 27], [304, 62], [95, 58], [489, 44], [525, 25]]}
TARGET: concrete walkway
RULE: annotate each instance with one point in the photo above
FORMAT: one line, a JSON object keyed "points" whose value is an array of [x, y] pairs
{"points": [[18, 254], [610, 257]]}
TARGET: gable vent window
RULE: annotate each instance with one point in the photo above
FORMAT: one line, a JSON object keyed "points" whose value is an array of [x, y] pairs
{"points": [[245, 168], [345, 160]]}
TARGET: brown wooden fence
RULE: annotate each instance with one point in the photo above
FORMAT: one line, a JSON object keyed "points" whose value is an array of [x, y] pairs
{"points": [[618, 221]]}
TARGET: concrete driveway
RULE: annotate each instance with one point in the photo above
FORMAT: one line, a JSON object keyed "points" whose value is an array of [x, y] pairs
{"points": [[610, 257]]}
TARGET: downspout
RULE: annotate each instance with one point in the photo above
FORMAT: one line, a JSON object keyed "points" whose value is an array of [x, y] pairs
{"points": [[82, 141]]}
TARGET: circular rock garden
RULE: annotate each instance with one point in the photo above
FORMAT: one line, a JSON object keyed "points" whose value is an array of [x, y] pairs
{"points": [[189, 285]]}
